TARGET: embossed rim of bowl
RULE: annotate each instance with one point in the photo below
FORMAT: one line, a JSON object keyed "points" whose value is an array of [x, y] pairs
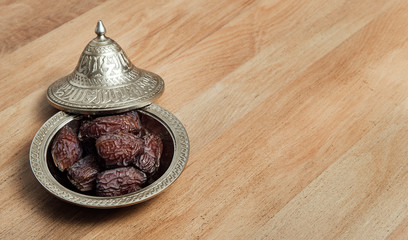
{"points": [[38, 161]]}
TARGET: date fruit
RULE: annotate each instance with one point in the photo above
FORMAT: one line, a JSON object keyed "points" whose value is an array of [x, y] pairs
{"points": [[149, 161], [83, 173], [119, 149], [119, 181], [109, 124], [65, 149], [135, 117], [122, 156]]}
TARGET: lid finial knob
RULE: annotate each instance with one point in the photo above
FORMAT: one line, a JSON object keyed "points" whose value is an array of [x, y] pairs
{"points": [[100, 29]]}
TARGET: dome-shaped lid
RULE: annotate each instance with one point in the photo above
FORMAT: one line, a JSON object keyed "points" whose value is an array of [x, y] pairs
{"points": [[104, 81]]}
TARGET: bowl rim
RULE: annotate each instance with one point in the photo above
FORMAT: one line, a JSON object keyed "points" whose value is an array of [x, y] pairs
{"points": [[43, 137]]}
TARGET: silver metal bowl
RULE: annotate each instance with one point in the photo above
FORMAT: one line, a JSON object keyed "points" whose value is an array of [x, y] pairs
{"points": [[174, 159]]}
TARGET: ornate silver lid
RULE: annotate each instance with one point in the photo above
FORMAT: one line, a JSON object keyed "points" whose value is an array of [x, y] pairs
{"points": [[104, 81]]}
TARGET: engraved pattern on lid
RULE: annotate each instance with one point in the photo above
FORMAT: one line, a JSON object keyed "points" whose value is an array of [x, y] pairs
{"points": [[104, 81]]}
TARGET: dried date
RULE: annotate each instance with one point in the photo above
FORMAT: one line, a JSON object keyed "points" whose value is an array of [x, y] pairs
{"points": [[109, 124], [119, 181], [83, 173], [135, 116], [119, 149], [149, 161], [65, 149], [121, 155]]}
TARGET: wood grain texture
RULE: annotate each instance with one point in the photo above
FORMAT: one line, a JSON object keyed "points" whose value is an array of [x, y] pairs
{"points": [[23, 21], [297, 113]]}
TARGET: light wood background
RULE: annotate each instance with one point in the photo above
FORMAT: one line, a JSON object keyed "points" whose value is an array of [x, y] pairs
{"points": [[297, 113]]}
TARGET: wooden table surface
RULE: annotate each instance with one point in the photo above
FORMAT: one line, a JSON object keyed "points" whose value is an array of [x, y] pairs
{"points": [[297, 113]]}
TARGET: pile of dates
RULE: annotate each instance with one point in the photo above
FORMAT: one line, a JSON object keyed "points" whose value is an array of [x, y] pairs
{"points": [[111, 155]]}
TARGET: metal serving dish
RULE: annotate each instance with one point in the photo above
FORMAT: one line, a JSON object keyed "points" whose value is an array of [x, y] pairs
{"points": [[105, 82]]}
